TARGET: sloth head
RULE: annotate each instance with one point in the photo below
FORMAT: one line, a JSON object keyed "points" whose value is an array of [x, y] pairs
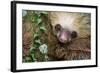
{"points": [[64, 35], [68, 26]]}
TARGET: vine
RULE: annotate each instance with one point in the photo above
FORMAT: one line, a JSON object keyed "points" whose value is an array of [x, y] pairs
{"points": [[37, 48]]}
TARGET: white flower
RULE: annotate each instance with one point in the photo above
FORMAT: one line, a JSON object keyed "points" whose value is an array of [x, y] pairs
{"points": [[43, 48]]}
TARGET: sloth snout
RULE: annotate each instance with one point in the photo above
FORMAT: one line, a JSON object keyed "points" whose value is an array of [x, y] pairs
{"points": [[66, 36]]}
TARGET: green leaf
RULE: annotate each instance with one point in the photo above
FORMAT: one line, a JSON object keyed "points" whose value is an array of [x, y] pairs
{"points": [[33, 57], [27, 59], [36, 45], [38, 41], [35, 17], [42, 28], [36, 35], [32, 48], [39, 21], [44, 12]]}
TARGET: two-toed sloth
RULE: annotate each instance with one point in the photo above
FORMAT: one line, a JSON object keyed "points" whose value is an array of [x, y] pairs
{"points": [[69, 25]]}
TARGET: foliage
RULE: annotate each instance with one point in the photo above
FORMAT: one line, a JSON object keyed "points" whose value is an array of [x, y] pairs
{"points": [[37, 50]]}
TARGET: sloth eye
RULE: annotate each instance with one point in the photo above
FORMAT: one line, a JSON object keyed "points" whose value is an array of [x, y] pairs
{"points": [[74, 34], [58, 27]]}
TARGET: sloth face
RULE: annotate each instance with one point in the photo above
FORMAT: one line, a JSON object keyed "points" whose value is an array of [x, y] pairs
{"points": [[70, 25], [64, 35]]}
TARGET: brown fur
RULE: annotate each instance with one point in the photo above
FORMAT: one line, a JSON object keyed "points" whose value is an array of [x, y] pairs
{"points": [[79, 22], [78, 48]]}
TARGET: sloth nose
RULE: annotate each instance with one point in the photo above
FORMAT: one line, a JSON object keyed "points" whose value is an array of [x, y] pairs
{"points": [[74, 34], [63, 40], [64, 37]]}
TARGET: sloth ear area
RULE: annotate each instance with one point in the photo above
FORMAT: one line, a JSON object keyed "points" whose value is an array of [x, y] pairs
{"points": [[58, 27]]}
